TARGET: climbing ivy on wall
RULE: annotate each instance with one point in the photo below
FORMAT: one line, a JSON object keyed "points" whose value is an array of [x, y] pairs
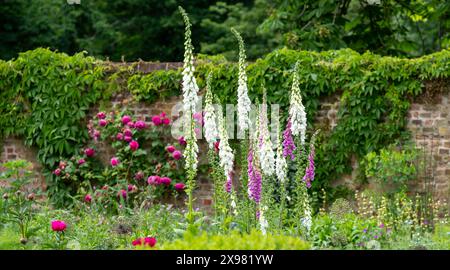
{"points": [[45, 95]]}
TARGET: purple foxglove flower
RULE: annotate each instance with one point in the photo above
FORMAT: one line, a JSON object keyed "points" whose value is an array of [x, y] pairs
{"points": [[309, 173], [254, 180], [288, 142]]}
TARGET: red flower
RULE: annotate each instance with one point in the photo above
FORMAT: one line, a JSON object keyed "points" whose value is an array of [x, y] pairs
{"points": [[170, 148], [102, 122], [134, 145], [166, 121], [122, 193], [180, 186], [126, 119], [58, 225], [88, 198], [139, 124], [165, 181], [153, 180], [114, 161], [101, 115], [89, 152], [57, 172], [176, 155], [182, 141], [119, 136], [146, 241], [156, 120], [139, 175]]}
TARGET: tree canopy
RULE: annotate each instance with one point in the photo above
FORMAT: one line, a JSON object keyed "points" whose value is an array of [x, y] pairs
{"points": [[152, 30]]}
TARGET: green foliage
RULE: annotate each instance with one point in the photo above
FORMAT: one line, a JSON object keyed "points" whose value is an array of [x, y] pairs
{"points": [[18, 205], [49, 94], [234, 240], [392, 167]]}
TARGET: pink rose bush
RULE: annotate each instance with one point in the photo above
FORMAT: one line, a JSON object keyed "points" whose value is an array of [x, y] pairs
{"points": [[58, 225], [145, 161]]}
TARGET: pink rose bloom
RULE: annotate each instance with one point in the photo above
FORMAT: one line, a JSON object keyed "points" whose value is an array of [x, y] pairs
{"points": [[176, 155], [128, 138], [126, 119], [58, 225], [162, 115], [81, 161], [88, 198], [166, 121], [139, 124], [134, 145], [89, 152], [156, 120], [114, 161], [62, 165], [153, 180], [182, 141], [165, 181], [180, 186], [102, 122], [170, 148], [139, 175], [128, 132], [122, 193], [57, 172], [119, 136], [101, 115], [130, 124]]}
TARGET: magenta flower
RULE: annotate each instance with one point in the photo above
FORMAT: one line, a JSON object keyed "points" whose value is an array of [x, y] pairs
{"points": [[57, 172], [102, 122], [177, 155], [182, 141], [171, 148], [126, 119], [58, 225], [101, 115], [156, 119], [134, 145], [81, 161], [166, 121], [130, 124], [128, 132], [165, 181], [96, 134], [139, 175], [162, 114], [114, 161], [179, 186], [288, 142], [131, 188], [122, 193], [154, 180], [119, 136], [309, 173], [89, 152], [128, 138], [88, 198], [147, 241], [140, 124], [254, 180], [228, 184]]}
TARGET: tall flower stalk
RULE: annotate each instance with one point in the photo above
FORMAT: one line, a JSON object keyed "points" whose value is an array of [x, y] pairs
{"points": [[297, 114], [267, 156], [190, 98], [210, 127], [281, 172], [310, 169], [243, 101]]}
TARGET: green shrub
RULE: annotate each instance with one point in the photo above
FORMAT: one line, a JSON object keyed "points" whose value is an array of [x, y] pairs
{"points": [[237, 241]]}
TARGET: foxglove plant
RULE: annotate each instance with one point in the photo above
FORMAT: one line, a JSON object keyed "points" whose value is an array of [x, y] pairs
{"points": [[225, 152], [267, 156], [280, 162], [254, 179], [297, 114], [190, 98], [243, 101], [288, 142], [211, 132], [309, 172], [189, 85]]}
